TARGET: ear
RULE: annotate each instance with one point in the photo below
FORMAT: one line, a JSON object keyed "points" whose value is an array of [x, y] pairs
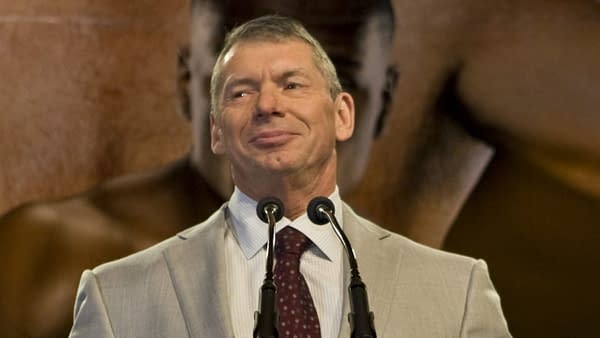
{"points": [[184, 77], [216, 136], [344, 116]]}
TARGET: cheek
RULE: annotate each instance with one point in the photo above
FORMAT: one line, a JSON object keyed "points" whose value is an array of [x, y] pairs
{"points": [[328, 129], [233, 129]]}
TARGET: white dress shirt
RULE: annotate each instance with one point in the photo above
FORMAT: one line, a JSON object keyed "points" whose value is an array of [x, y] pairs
{"points": [[245, 250]]}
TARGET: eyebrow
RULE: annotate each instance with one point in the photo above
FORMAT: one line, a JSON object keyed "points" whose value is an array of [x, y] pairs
{"points": [[239, 82], [294, 72]]}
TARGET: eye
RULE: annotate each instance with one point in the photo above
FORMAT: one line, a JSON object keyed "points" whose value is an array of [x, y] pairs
{"points": [[292, 85], [239, 93]]}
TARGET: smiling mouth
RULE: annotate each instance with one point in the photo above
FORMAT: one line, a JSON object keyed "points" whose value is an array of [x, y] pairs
{"points": [[271, 138]]}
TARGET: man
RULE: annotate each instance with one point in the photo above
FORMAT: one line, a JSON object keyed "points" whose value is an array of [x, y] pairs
{"points": [[477, 79], [50, 243], [277, 112]]}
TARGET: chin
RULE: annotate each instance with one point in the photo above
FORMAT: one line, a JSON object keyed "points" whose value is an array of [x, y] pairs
{"points": [[280, 169]]}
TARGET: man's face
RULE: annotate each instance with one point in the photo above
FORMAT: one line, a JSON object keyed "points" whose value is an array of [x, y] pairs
{"points": [[359, 52], [275, 113]]}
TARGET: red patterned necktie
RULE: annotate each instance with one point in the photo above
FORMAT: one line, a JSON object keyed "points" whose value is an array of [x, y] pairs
{"points": [[297, 314]]}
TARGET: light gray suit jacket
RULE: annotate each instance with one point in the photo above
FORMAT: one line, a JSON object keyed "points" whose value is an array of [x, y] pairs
{"points": [[177, 288]]}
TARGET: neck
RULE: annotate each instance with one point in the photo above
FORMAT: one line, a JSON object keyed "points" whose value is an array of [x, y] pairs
{"points": [[294, 190]]}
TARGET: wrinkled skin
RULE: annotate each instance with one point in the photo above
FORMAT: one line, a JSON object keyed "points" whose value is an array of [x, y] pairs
{"points": [[277, 123], [507, 85], [360, 54]]}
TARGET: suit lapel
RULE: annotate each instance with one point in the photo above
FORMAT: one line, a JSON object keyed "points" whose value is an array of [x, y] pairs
{"points": [[196, 268], [378, 265]]}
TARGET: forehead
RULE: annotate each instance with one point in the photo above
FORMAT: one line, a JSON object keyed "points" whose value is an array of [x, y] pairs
{"points": [[257, 56]]}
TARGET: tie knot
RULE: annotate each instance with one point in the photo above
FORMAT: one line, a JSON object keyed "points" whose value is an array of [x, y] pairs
{"points": [[291, 241]]}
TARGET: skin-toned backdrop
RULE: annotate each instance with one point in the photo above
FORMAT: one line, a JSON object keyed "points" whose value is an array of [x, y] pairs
{"points": [[506, 91], [87, 93]]}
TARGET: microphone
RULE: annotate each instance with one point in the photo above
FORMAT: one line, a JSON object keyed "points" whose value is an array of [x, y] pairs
{"points": [[321, 210], [269, 210]]}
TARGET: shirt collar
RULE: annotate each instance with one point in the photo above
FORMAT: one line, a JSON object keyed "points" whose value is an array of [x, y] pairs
{"points": [[252, 233]]}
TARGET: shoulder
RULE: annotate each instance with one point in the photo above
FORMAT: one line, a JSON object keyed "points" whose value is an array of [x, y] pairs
{"points": [[78, 216], [450, 292], [57, 227], [46, 213], [46, 244], [145, 262], [149, 278], [128, 212], [415, 256]]}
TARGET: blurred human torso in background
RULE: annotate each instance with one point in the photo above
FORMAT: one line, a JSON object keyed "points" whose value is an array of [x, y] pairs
{"points": [[510, 87]]}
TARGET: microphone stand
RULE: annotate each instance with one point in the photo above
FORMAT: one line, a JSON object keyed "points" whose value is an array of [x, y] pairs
{"points": [[320, 211], [269, 210]]}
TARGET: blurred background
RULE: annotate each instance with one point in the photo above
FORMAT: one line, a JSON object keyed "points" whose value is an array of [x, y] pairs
{"points": [[491, 147]]}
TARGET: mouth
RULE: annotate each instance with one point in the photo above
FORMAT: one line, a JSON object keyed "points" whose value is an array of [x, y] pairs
{"points": [[272, 138]]}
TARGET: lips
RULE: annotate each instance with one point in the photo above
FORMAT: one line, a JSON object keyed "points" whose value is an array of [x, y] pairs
{"points": [[271, 138]]}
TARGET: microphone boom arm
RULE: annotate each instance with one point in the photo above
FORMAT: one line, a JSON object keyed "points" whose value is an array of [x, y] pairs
{"points": [[269, 210], [360, 318], [342, 236]]}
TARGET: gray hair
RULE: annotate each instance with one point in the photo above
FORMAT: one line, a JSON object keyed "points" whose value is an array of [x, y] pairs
{"points": [[273, 28]]}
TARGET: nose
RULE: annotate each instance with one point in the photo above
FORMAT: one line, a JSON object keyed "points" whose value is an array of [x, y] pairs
{"points": [[268, 102]]}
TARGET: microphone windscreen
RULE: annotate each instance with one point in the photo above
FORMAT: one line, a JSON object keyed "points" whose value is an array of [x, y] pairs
{"points": [[313, 212], [263, 204]]}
